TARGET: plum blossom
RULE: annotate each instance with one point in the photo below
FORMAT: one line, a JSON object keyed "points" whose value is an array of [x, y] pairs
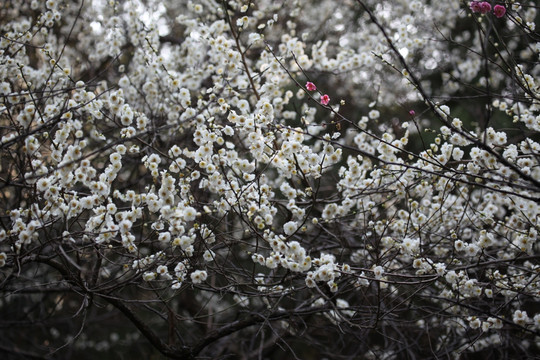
{"points": [[325, 99], [520, 317], [198, 276], [204, 150], [311, 86], [290, 227], [378, 272], [499, 11]]}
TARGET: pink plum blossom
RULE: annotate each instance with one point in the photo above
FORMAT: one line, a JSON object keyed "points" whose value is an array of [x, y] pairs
{"points": [[311, 86], [499, 11], [485, 7], [325, 99], [474, 6]]}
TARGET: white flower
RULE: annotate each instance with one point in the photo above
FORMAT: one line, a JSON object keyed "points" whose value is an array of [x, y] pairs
{"points": [[451, 277], [164, 236], [271, 263], [180, 268], [536, 321], [410, 246], [443, 110], [474, 322], [310, 282], [43, 184], [378, 272], [374, 114], [290, 227], [472, 249], [457, 123], [440, 268], [520, 317], [361, 281], [333, 286], [5, 88], [209, 255], [149, 276], [162, 269], [198, 276], [190, 213]]}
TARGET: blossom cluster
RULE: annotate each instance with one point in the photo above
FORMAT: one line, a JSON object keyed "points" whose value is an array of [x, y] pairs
{"points": [[187, 162], [484, 7]]}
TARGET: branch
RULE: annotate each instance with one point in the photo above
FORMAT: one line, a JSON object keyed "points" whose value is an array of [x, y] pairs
{"points": [[237, 40], [162, 347], [251, 319]]}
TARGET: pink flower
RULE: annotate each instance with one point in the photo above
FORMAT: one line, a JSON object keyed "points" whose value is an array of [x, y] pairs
{"points": [[475, 6], [499, 11], [412, 112], [310, 86], [325, 99], [485, 7]]}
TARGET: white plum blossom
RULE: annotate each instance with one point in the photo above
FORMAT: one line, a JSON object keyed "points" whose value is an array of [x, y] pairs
{"points": [[290, 227], [198, 276], [286, 169]]}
